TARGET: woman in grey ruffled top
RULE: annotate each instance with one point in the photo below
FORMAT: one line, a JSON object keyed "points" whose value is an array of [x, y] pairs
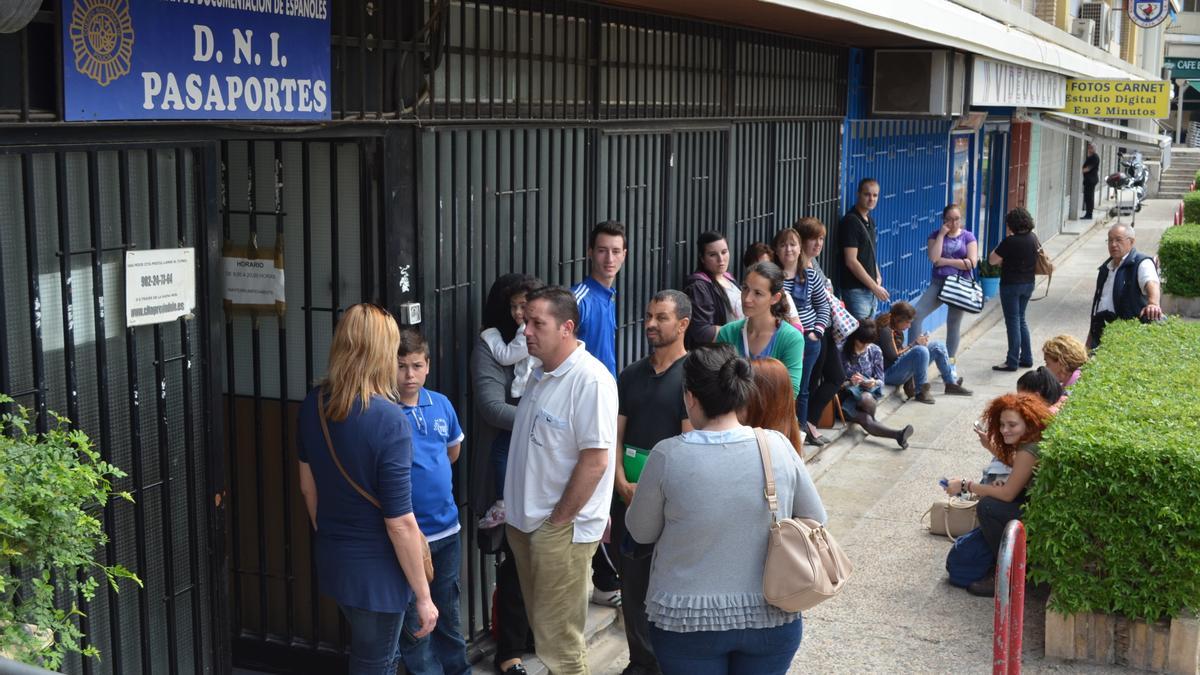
{"points": [[700, 500]]}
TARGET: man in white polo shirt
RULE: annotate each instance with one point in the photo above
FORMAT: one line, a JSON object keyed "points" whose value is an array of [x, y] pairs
{"points": [[559, 484]]}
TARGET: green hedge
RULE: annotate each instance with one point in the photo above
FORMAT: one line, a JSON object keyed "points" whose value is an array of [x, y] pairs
{"points": [[1191, 207], [1196, 178], [1114, 512], [1179, 254]]}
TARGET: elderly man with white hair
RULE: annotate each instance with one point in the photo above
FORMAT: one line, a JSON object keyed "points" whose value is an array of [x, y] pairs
{"points": [[1127, 286]]}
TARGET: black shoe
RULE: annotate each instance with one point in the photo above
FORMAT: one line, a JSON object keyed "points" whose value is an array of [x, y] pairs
{"points": [[815, 440], [1005, 368], [515, 669], [902, 438], [1026, 365], [984, 588]]}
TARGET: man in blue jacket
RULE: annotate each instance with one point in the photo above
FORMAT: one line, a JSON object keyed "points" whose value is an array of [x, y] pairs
{"points": [[597, 300]]}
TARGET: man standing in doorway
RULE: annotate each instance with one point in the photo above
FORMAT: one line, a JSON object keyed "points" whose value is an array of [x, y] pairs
{"points": [[597, 300], [1091, 176], [861, 281], [559, 484], [650, 410]]}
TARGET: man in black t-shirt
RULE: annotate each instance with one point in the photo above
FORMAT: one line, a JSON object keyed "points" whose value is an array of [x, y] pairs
{"points": [[1091, 176], [650, 410], [859, 278]]}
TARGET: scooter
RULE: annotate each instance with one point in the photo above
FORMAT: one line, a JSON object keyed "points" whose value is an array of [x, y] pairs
{"points": [[1129, 185]]}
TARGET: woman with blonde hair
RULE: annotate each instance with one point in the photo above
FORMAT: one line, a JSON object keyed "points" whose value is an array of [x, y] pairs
{"points": [[355, 453], [1065, 355], [770, 404]]}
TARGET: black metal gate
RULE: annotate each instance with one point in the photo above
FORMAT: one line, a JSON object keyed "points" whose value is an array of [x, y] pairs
{"points": [[144, 394]]}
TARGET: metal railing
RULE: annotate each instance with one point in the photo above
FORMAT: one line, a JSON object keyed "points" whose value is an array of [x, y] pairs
{"points": [[1010, 601]]}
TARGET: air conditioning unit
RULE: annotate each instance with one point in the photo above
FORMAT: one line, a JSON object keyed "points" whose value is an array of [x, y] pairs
{"points": [[1101, 14], [1083, 29], [919, 82]]}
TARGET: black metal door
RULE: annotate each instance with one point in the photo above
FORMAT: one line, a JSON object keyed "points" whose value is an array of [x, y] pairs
{"points": [[143, 394]]}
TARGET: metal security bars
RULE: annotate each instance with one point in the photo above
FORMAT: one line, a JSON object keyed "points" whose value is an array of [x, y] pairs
{"points": [[519, 59], [315, 204], [141, 393]]}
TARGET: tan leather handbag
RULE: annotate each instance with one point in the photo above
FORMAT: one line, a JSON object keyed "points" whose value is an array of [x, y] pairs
{"points": [[951, 516], [426, 554], [804, 566]]}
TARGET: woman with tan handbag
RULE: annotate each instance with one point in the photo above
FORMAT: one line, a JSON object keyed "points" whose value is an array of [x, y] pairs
{"points": [[700, 501], [355, 454]]}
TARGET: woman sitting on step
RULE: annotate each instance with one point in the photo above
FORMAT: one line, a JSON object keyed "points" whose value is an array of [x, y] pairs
{"points": [[1013, 424], [863, 360]]}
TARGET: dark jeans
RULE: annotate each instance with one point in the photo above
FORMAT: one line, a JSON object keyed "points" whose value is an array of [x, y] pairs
{"points": [[1096, 329], [513, 638], [1014, 298], [374, 641], [812, 352], [443, 650], [747, 651], [499, 458], [994, 515], [635, 582], [828, 376], [1089, 198]]}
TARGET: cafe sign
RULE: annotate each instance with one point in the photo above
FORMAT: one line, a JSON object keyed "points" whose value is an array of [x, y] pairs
{"points": [[196, 59], [1118, 99]]}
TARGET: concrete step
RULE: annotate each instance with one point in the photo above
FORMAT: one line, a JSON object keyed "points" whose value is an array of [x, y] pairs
{"points": [[605, 636]]}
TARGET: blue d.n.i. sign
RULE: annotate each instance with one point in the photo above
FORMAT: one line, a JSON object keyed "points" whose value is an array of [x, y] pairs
{"points": [[196, 59]]}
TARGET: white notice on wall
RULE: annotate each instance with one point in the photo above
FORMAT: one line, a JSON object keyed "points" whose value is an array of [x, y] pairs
{"points": [[252, 281], [160, 285]]}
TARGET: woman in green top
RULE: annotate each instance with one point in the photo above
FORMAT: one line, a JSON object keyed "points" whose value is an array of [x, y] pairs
{"points": [[765, 331], [1011, 429]]}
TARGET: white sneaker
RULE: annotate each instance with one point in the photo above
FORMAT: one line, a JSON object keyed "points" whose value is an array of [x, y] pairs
{"points": [[606, 598]]}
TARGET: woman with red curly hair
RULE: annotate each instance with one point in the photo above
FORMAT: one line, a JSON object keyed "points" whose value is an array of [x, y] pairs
{"points": [[1014, 426], [770, 405]]}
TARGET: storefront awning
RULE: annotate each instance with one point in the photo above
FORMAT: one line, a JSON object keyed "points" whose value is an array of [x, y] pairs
{"points": [[1077, 126]]}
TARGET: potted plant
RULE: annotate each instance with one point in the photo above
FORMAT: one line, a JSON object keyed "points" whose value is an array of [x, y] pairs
{"points": [[989, 278], [53, 489]]}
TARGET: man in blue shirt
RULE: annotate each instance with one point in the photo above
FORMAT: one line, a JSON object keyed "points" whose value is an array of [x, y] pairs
{"points": [[595, 295], [436, 441], [597, 300]]}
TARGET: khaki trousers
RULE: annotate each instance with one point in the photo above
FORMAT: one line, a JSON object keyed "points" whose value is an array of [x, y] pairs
{"points": [[554, 575]]}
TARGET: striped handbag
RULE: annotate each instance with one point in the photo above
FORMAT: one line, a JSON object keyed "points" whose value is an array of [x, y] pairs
{"points": [[963, 293]]}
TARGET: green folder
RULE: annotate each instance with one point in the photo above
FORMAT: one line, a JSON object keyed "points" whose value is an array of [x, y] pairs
{"points": [[634, 460]]}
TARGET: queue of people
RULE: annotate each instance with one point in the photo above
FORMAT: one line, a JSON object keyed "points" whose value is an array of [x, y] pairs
{"points": [[574, 445]]}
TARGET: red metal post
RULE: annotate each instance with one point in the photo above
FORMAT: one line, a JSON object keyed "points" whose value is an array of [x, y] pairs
{"points": [[1010, 601]]}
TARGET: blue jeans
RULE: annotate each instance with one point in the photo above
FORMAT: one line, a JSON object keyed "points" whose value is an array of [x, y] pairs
{"points": [[926, 305], [1014, 298], [443, 650], [749, 651], [941, 358], [375, 640], [812, 352], [913, 363], [860, 302]]}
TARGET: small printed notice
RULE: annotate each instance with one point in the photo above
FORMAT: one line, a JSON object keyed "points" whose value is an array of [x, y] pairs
{"points": [[160, 285], [253, 283]]}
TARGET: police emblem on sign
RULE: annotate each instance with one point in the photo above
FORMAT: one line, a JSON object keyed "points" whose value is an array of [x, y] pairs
{"points": [[1147, 13], [102, 39]]}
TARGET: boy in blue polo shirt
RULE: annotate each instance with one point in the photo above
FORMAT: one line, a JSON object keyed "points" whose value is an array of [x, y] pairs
{"points": [[436, 440]]}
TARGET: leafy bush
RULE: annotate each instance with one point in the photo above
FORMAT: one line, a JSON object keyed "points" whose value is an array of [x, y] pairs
{"points": [[1179, 253], [1113, 517], [987, 269], [52, 489], [1196, 178], [1191, 207]]}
